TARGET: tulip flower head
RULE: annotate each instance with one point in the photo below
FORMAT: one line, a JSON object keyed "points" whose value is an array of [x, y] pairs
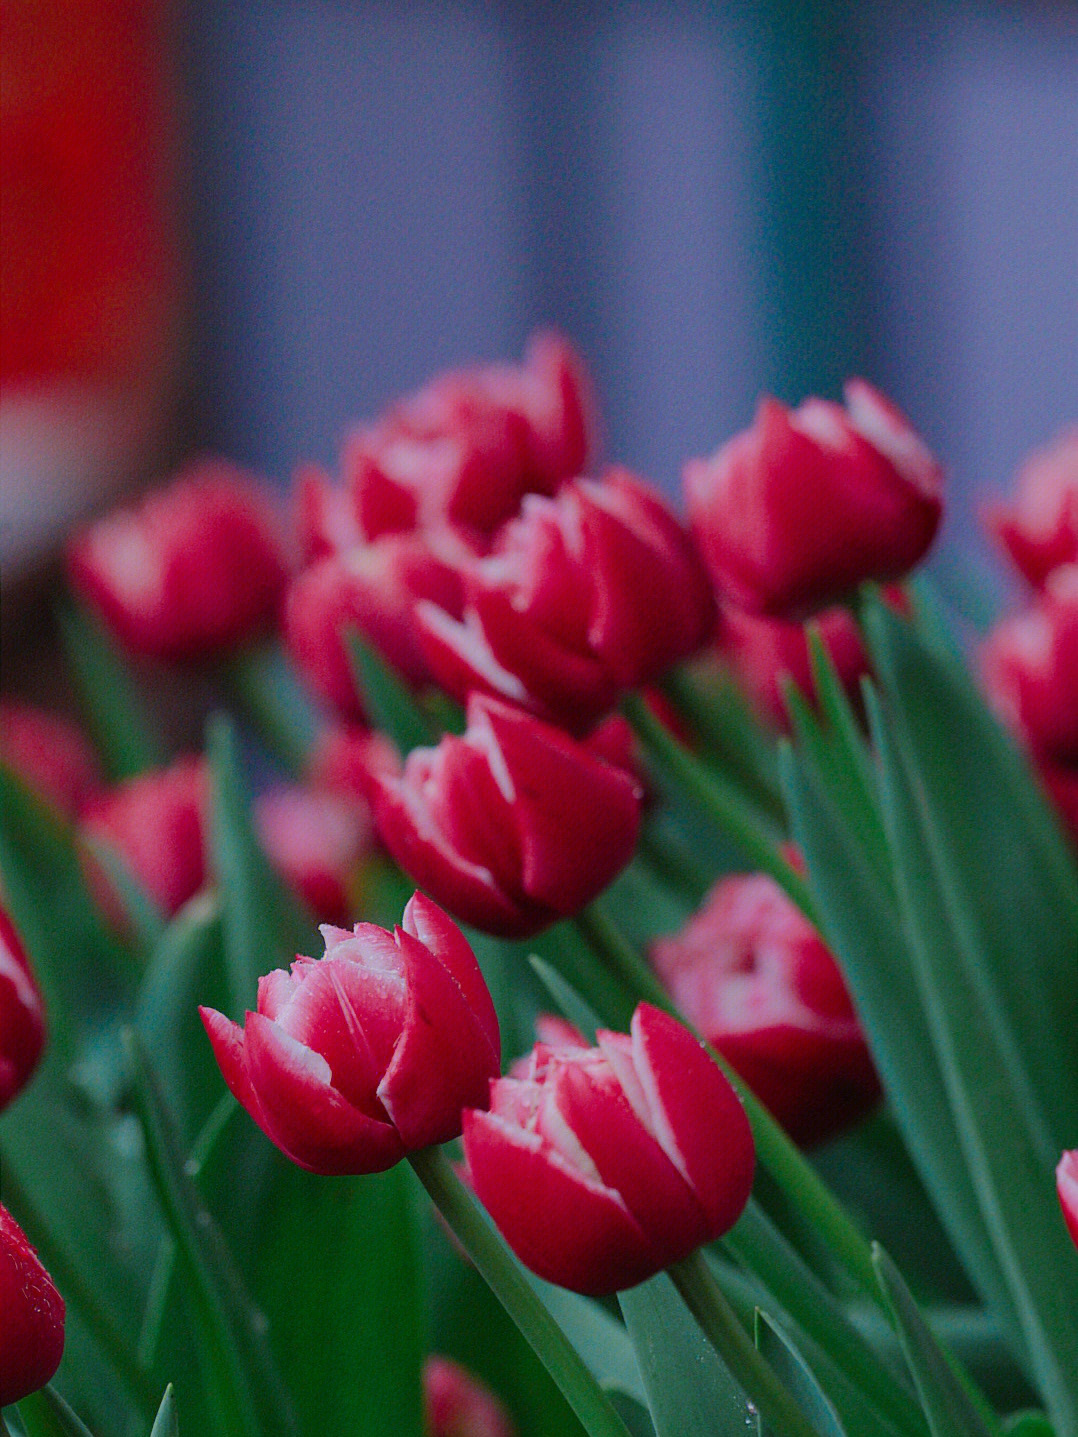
{"points": [[49, 754], [455, 1404], [1039, 531], [513, 825], [796, 511], [603, 1165], [1067, 1187], [22, 1014], [315, 840], [31, 1316], [354, 1059]]}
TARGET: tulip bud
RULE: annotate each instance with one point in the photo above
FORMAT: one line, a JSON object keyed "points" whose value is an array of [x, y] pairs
{"points": [[49, 754], [796, 511], [31, 1316], [191, 570], [346, 757], [584, 596], [1039, 531], [315, 841], [22, 1014], [604, 1165], [754, 978], [1067, 1187], [368, 1053], [1030, 667], [457, 1405], [512, 825]]}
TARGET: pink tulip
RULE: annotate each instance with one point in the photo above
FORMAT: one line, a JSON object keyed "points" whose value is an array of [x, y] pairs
{"points": [[755, 979], [796, 511], [1067, 1187], [457, 1405], [31, 1316], [190, 570], [1039, 531], [368, 1053], [315, 840], [511, 826], [49, 754], [346, 757], [22, 1014], [604, 1165]]}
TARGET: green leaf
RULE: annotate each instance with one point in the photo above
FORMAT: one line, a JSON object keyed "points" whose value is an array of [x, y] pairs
{"points": [[947, 1406], [791, 1368], [719, 716], [270, 695], [690, 1392], [601, 1340], [264, 925], [388, 701], [141, 909], [1002, 1129], [1028, 1424], [46, 1414], [126, 739], [166, 1423], [568, 1001]]}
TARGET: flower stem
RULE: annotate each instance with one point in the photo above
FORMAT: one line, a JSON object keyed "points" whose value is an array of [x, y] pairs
{"points": [[504, 1276], [616, 952], [721, 1327]]}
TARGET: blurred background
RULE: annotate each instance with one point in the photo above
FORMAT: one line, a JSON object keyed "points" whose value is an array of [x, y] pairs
{"points": [[239, 225]]}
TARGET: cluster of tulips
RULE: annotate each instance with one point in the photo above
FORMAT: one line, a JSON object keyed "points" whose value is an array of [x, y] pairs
{"points": [[514, 681]]}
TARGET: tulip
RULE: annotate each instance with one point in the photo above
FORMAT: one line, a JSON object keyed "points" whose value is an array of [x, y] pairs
{"points": [[755, 979], [1067, 1187], [191, 570], [347, 756], [315, 840], [455, 1404], [512, 825], [22, 1014], [49, 754], [604, 1165], [368, 1053], [1062, 786], [372, 589], [31, 1316], [796, 511], [155, 823], [1030, 669], [1039, 531], [584, 596]]}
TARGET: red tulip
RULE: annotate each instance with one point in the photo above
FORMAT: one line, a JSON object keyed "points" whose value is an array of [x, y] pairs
{"points": [[31, 1316], [1062, 786], [190, 570], [22, 1014], [1030, 669], [156, 824], [604, 1165], [753, 976], [315, 840], [1039, 531], [585, 595], [1067, 1187], [457, 1405], [347, 756], [49, 754], [368, 1053], [795, 512], [512, 825]]}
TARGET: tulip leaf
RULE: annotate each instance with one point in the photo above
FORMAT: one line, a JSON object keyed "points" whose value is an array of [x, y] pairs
{"points": [[264, 925], [46, 1414], [1003, 1131], [387, 700], [270, 696], [571, 1005], [121, 728], [143, 912], [946, 1403], [166, 1423], [790, 1367], [601, 1340], [1028, 1424], [690, 1392]]}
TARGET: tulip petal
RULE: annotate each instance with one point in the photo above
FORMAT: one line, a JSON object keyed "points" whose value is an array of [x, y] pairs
{"points": [[437, 931]]}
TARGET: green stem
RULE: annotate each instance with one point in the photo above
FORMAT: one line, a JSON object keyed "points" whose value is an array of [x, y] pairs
{"points": [[727, 728], [729, 811], [618, 955], [720, 1325], [506, 1280]]}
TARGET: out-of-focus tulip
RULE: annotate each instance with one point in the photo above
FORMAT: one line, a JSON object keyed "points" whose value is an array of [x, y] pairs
{"points": [[752, 975], [763, 653], [1030, 668], [190, 570], [22, 1014], [584, 595], [512, 825], [346, 757], [156, 824], [31, 1316], [604, 1165], [1039, 531], [373, 589], [314, 840], [796, 511], [49, 754], [457, 1405], [370, 1052], [1067, 1187]]}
